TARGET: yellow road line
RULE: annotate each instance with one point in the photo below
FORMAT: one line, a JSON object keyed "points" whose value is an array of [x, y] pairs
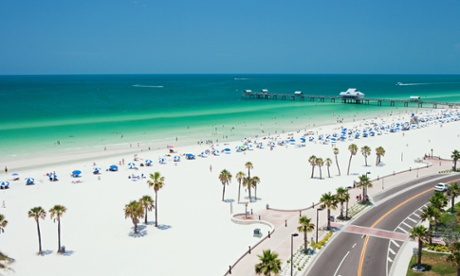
{"points": [[366, 240]]}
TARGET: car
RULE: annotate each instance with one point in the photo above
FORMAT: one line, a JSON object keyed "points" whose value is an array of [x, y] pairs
{"points": [[441, 187]]}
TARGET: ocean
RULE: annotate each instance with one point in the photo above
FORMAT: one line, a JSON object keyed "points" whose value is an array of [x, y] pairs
{"points": [[54, 114]]}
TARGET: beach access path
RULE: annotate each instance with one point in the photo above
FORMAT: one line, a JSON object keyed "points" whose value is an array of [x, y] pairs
{"points": [[286, 222]]}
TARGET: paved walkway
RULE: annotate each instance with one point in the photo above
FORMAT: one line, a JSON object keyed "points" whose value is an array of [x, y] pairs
{"points": [[286, 222]]}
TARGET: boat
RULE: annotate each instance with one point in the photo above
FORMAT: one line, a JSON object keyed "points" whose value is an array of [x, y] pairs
{"points": [[399, 83]]}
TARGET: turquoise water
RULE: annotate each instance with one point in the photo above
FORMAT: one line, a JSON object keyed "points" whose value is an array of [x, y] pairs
{"points": [[55, 113]]}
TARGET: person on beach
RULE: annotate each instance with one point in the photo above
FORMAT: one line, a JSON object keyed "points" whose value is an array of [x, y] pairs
{"points": [[6, 169], [210, 168]]}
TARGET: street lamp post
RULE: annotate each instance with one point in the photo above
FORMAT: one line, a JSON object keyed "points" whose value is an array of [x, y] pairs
{"points": [[292, 238], [317, 222], [246, 209]]}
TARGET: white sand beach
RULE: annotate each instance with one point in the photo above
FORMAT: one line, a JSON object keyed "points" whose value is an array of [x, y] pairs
{"points": [[195, 235]]}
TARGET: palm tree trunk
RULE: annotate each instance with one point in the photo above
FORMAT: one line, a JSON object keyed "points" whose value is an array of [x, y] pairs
{"points": [[328, 172], [59, 234], [320, 173], [239, 190], [249, 187], [312, 171], [305, 238], [135, 228], [337, 163], [156, 209], [341, 210], [223, 192], [419, 262], [39, 239], [145, 216], [349, 163], [346, 211], [365, 160], [255, 192], [328, 218]]}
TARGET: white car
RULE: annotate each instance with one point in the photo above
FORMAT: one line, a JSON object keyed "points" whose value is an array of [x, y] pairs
{"points": [[441, 187]]}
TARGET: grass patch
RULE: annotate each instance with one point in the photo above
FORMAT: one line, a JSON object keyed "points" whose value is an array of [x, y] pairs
{"points": [[434, 263]]}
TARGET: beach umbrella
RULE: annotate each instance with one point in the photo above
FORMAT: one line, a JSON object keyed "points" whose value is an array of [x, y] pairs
{"points": [[176, 158], [227, 150], [311, 138], [131, 165], [333, 139], [216, 152], [76, 173], [113, 168], [292, 141], [302, 139], [29, 180], [15, 176], [148, 162], [52, 177], [204, 154], [161, 160], [4, 185], [190, 156], [96, 170]]}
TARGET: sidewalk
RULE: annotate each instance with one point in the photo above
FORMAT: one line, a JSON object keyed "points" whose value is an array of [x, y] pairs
{"points": [[286, 222]]}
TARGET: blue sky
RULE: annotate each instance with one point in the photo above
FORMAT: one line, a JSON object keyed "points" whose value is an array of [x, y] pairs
{"points": [[230, 36]]}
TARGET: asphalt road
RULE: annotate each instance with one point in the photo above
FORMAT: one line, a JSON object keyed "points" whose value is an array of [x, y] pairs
{"points": [[369, 245]]}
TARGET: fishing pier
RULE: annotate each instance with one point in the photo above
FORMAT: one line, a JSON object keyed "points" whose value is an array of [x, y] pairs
{"points": [[349, 96]]}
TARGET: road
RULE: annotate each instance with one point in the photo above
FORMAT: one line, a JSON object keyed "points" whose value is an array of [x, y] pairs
{"points": [[369, 245]]}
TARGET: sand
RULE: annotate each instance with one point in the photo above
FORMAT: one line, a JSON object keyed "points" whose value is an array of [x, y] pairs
{"points": [[195, 235]]}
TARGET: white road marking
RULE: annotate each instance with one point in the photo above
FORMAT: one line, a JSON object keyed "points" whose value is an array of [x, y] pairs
{"points": [[395, 243], [391, 251], [409, 218], [335, 274], [406, 224], [353, 245], [402, 230], [389, 259]]}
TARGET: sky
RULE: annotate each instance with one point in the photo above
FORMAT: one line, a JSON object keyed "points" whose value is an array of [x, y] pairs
{"points": [[229, 36]]}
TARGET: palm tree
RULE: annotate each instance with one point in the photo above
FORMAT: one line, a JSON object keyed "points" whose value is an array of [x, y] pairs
{"points": [[269, 263], [312, 161], [239, 177], [255, 180], [432, 215], [439, 200], [58, 211], [38, 213], [341, 198], [454, 257], [135, 211], [365, 151], [379, 152], [157, 182], [3, 223], [364, 183], [455, 157], [328, 164], [148, 204], [305, 226], [336, 152], [419, 232], [249, 166], [320, 164], [353, 150], [225, 178], [453, 191], [328, 201]]}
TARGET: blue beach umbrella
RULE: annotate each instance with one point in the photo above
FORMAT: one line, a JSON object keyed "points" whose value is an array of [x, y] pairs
{"points": [[131, 165], [4, 185], [148, 162], [176, 158], [96, 170], [15, 176], [302, 139], [29, 180], [190, 156], [161, 160], [113, 168], [76, 173]]}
